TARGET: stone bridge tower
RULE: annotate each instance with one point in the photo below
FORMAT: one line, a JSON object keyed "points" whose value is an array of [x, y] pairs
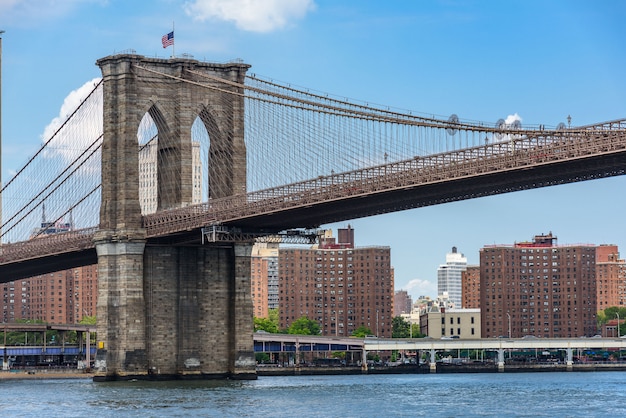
{"points": [[168, 311]]}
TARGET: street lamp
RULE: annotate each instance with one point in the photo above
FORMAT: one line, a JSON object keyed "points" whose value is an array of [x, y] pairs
{"points": [[617, 324], [376, 323], [509, 316]]}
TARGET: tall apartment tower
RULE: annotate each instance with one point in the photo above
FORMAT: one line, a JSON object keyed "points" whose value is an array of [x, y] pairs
{"points": [[449, 277], [610, 277], [148, 181], [264, 278], [538, 288], [470, 280], [402, 303], [338, 285]]}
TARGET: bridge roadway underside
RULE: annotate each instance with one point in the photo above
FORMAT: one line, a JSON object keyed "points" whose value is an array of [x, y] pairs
{"points": [[398, 198], [391, 198], [49, 264]]}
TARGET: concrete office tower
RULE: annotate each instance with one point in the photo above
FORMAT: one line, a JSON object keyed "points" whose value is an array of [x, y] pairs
{"points": [[538, 288], [148, 182], [338, 285], [449, 277]]}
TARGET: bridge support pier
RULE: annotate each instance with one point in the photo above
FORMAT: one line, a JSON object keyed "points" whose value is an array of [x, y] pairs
{"points": [[501, 359], [364, 360], [121, 350], [569, 361], [433, 361], [185, 313]]}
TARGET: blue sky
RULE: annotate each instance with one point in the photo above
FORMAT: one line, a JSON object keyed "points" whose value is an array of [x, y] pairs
{"points": [[483, 60]]}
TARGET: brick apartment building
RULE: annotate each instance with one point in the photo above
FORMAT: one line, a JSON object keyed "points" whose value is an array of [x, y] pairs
{"points": [[338, 285], [470, 283], [62, 297], [402, 303], [538, 288], [610, 277]]}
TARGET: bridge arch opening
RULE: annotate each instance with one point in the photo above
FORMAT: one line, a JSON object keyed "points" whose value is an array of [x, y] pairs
{"points": [[161, 157]]}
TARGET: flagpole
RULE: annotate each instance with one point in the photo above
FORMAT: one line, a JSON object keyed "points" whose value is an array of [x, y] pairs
{"points": [[173, 42]]}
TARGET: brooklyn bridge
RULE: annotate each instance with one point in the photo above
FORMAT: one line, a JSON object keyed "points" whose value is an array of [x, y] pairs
{"points": [[234, 159]]}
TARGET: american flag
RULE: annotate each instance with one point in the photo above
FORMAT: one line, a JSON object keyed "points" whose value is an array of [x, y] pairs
{"points": [[168, 39]]}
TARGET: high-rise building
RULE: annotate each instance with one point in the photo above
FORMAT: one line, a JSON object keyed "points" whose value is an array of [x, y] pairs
{"points": [[402, 303], [538, 288], [610, 277], [338, 285], [470, 279], [15, 300], [148, 176], [264, 278], [449, 277]]}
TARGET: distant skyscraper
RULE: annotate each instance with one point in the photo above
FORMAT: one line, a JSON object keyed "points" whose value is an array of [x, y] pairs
{"points": [[148, 176], [402, 303], [449, 277]]}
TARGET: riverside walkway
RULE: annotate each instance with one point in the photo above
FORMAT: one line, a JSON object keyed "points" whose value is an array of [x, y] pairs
{"points": [[296, 344]]}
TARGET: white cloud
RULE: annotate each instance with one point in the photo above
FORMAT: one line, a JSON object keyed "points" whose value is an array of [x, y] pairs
{"points": [[512, 118], [419, 287], [86, 126], [251, 15]]}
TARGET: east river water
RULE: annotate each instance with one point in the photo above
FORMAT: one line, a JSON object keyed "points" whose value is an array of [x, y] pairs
{"points": [[540, 394]]}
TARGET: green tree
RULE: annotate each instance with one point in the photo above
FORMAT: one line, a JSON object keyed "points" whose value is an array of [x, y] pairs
{"points": [[400, 328], [361, 332], [272, 314], [262, 358], [610, 313], [265, 324], [304, 326], [269, 324], [88, 320], [416, 331]]}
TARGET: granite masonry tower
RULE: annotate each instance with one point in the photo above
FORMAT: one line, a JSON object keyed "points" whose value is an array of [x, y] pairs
{"points": [[166, 310]]}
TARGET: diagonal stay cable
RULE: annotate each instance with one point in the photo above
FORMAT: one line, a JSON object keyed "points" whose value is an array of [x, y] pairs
{"points": [[70, 209], [43, 147], [53, 190]]}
